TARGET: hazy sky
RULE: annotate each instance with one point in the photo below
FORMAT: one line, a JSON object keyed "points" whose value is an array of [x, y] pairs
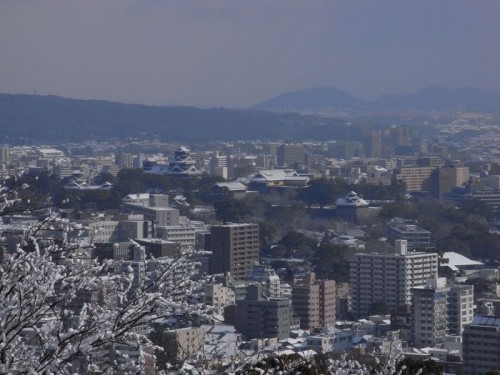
{"points": [[237, 53]]}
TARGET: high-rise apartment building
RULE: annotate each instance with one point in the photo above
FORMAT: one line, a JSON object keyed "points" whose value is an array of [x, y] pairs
{"points": [[460, 308], [430, 305], [313, 301], [388, 278], [235, 248], [481, 345], [440, 310]]}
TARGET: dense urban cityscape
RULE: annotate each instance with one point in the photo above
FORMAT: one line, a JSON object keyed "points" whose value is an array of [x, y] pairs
{"points": [[259, 249], [258, 187]]}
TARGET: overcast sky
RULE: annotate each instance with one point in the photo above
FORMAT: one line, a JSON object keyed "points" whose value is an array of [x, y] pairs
{"points": [[236, 53]]}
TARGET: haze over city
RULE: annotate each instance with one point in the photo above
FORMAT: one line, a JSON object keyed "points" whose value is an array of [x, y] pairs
{"points": [[249, 187], [237, 53]]}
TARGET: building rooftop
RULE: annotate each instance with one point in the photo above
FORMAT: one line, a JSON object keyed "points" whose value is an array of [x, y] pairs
{"points": [[456, 260], [352, 200], [277, 175], [483, 320], [234, 225], [408, 254], [232, 186]]}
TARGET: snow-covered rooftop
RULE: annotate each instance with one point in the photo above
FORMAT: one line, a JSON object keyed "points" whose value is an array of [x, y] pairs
{"points": [[456, 260], [232, 186]]}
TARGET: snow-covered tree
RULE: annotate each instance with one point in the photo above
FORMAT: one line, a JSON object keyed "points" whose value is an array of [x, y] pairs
{"points": [[63, 311]]}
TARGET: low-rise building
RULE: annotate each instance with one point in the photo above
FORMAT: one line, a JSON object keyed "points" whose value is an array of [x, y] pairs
{"points": [[184, 342], [260, 317], [267, 278], [218, 295], [339, 340], [416, 237]]}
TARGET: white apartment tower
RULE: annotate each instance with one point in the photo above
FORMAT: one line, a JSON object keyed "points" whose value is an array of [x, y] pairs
{"points": [[430, 313], [460, 308], [440, 310], [388, 278]]}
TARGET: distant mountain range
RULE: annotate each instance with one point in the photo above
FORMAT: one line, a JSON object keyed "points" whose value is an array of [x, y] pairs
{"points": [[430, 98], [39, 119], [52, 119]]}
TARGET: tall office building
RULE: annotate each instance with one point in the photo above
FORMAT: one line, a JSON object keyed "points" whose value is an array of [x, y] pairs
{"points": [[373, 144], [124, 160], [481, 345], [446, 178], [235, 248], [4, 155], [400, 136], [388, 277], [291, 155], [313, 301]]}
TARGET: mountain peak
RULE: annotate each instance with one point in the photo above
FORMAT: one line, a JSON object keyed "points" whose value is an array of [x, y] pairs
{"points": [[433, 97], [311, 99]]}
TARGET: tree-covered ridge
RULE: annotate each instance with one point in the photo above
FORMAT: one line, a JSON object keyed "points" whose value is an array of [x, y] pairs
{"points": [[36, 118]]}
